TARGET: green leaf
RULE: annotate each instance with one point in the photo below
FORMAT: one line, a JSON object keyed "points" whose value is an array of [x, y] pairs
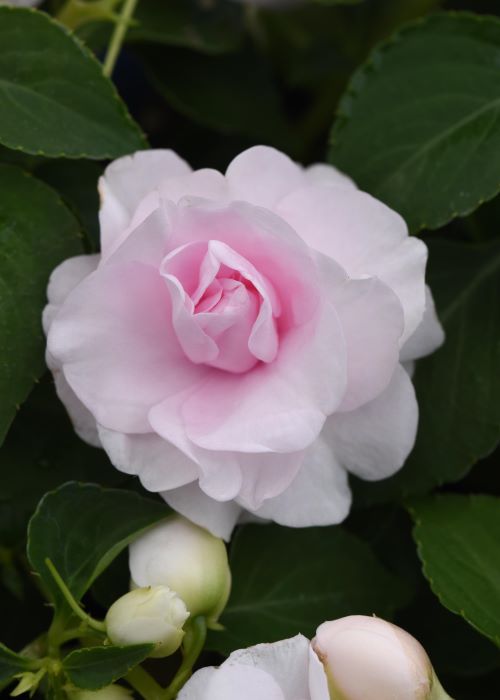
{"points": [[81, 528], [76, 181], [457, 539], [458, 387], [287, 581], [41, 452], [37, 232], [12, 663], [210, 91], [55, 99], [420, 121], [96, 667]]}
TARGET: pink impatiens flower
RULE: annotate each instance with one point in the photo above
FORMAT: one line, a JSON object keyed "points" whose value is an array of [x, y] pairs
{"points": [[238, 342]]}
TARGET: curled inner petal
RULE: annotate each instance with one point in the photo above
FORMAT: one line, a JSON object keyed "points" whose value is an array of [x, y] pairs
{"points": [[224, 311]]}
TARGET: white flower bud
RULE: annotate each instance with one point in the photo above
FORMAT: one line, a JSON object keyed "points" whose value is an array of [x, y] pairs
{"points": [[366, 657], [187, 559], [110, 692], [153, 614]]}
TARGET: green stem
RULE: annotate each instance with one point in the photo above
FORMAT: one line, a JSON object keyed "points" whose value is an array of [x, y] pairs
{"points": [[118, 36], [74, 13], [141, 681], [90, 621], [194, 641]]}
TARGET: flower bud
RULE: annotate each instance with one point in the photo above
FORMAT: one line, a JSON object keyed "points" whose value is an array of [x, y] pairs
{"points": [[153, 614], [366, 657], [110, 692], [189, 560]]}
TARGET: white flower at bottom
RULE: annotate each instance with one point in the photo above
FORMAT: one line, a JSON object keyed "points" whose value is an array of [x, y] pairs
{"points": [[366, 657], [154, 614], [286, 670]]}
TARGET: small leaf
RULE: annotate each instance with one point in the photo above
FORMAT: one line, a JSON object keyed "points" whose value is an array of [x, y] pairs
{"points": [[97, 667], [12, 664], [287, 581], [458, 387], [433, 98], [55, 99], [37, 232], [457, 539], [81, 528]]}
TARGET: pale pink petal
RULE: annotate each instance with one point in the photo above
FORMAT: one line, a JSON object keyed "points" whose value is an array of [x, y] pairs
{"points": [[372, 323], [262, 175], [321, 172], [318, 682], [266, 242], [196, 687], [266, 475], [204, 183], [429, 335], [158, 464], [126, 182], [115, 340], [374, 441], [63, 280], [319, 494], [279, 407], [365, 237], [83, 421], [287, 661], [217, 517], [145, 240]]}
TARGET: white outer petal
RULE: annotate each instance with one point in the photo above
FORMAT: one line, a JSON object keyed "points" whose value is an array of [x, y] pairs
{"points": [[428, 336], [319, 494], [374, 441], [217, 517], [126, 181]]}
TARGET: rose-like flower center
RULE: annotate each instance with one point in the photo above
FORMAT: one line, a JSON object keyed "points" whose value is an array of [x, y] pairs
{"points": [[223, 310]]}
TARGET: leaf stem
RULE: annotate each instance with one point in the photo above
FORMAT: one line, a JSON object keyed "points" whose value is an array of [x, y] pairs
{"points": [[194, 641], [145, 684], [68, 596], [118, 36]]}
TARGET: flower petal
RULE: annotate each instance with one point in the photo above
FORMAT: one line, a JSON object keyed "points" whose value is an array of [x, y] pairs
{"points": [[190, 501], [374, 441], [115, 341], [365, 237], [429, 335], [262, 175], [158, 464], [63, 280], [286, 661], [318, 682], [319, 494], [372, 323], [82, 419], [126, 182], [231, 681]]}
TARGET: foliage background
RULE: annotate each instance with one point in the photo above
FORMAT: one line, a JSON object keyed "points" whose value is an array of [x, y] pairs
{"points": [[420, 548]]}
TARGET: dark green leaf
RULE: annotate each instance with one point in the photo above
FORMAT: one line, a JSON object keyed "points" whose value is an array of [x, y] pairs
{"points": [[457, 539], [37, 232], [55, 99], [287, 581], [12, 663], [76, 181], [82, 528], [420, 120], [458, 387], [96, 667], [41, 452]]}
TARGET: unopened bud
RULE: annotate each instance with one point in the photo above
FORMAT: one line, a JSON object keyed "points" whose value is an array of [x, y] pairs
{"points": [[189, 560], [110, 692], [153, 614], [366, 657]]}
